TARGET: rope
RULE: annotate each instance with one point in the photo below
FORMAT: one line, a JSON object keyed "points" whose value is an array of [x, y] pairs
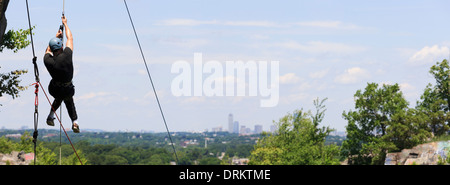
{"points": [[151, 81], [36, 75], [61, 107], [60, 139]]}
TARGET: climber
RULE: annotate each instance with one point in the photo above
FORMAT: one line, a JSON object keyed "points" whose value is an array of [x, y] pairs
{"points": [[58, 61]]}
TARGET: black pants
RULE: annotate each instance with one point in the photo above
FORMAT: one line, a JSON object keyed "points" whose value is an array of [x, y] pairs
{"points": [[63, 92]]}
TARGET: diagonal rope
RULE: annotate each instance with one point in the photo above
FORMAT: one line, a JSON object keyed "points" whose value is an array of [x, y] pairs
{"points": [[151, 81]]}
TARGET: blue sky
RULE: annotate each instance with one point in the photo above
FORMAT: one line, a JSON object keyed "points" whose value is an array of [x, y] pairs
{"points": [[325, 49]]}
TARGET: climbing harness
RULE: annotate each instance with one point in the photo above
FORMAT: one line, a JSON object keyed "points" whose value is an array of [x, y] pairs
{"points": [[38, 84], [151, 81]]}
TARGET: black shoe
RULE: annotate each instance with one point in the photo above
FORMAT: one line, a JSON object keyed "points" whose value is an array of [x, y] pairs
{"points": [[50, 121], [75, 128]]}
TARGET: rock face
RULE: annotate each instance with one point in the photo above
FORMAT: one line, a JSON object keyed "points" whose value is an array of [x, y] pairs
{"points": [[3, 7], [16, 158], [424, 154]]}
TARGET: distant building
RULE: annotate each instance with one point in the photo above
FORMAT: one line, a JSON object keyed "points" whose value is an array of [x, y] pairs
{"points": [[230, 123], [217, 129], [235, 127], [273, 128], [258, 129], [338, 133], [244, 130]]}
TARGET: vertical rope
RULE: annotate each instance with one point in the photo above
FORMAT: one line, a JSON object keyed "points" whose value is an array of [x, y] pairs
{"points": [[60, 139], [36, 75]]}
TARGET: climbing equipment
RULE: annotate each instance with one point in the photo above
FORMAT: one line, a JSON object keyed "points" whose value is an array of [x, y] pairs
{"points": [[38, 84]]}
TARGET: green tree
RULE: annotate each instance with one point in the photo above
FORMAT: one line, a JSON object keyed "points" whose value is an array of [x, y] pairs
{"points": [[6, 145], [435, 100], [368, 123], [9, 82], [408, 129], [298, 141], [381, 123], [73, 159], [225, 160], [115, 160], [15, 40], [441, 73], [45, 156], [154, 159], [209, 161]]}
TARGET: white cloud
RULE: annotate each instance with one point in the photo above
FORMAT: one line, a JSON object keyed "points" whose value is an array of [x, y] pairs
{"points": [[352, 75], [183, 43], [118, 48], [294, 98], [289, 78], [409, 90], [429, 55], [406, 87], [100, 98], [319, 74], [339, 25], [193, 22], [151, 94], [92, 95], [185, 22], [318, 47], [329, 24], [250, 23], [193, 99]]}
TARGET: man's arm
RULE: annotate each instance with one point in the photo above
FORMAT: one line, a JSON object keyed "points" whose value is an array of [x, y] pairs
{"points": [[69, 42], [48, 60], [48, 50]]}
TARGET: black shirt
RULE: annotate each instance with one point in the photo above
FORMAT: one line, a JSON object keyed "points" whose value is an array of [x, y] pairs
{"points": [[61, 66]]}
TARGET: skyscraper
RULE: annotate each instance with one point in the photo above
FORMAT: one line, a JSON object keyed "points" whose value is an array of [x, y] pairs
{"points": [[258, 129], [230, 123], [236, 127]]}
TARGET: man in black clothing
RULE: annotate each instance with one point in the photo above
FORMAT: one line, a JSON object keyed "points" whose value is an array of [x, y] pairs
{"points": [[58, 61]]}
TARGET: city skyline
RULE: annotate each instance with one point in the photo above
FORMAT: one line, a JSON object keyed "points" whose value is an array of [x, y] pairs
{"points": [[235, 127]]}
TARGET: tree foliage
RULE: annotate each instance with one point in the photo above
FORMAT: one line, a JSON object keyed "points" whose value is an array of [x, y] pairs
{"points": [[381, 123], [45, 156], [9, 82], [435, 100], [16, 40], [298, 141]]}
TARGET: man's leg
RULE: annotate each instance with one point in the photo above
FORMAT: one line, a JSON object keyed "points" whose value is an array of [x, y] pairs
{"points": [[70, 105], [51, 116]]}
